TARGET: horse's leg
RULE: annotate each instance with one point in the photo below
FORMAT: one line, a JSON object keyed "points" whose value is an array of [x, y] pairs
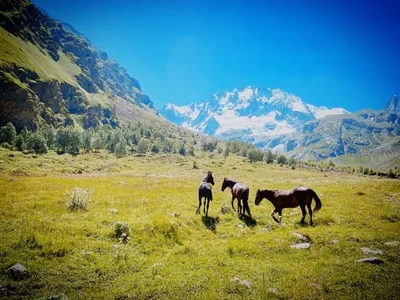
{"points": [[240, 206], [233, 199], [272, 215], [198, 209], [310, 212], [208, 205], [303, 210], [247, 207], [205, 203]]}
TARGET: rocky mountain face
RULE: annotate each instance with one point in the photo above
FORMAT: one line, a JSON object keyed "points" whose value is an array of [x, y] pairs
{"points": [[251, 114], [50, 72], [393, 105], [274, 119]]}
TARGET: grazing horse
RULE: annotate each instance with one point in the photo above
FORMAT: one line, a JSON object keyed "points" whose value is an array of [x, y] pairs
{"points": [[240, 191], [282, 199], [205, 191]]}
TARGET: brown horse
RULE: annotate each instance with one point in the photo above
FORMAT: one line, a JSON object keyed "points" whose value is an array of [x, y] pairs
{"points": [[282, 199], [206, 193], [240, 191]]}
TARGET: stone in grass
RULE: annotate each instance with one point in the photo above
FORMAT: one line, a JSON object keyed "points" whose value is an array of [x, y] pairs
{"points": [[175, 214], [273, 290], [301, 246], [17, 272], [335, 241], [114, 211], [242, 282], [394, 243], [302, 237], [371, 260], [370, 251]]}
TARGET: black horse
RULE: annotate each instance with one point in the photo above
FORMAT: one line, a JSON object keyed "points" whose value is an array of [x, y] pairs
{"points": [[206, 193], [240, 191]]}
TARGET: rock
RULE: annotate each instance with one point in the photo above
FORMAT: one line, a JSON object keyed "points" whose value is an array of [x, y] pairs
{"points": [[370, 251], [302, 237], [273, 290], [371, 260], [335, 241], [56, 297], [301, 246], [394, 243], [175, 214], [115, 246], [240, 225], [114, 211], [17, 272], [242, 281], [155, 265]]}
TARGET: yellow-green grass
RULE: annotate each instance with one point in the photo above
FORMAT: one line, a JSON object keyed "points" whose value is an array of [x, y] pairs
{"points": [[184, 255]]}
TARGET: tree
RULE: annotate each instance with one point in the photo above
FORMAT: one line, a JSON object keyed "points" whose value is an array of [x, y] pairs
{"points": [[269, 157], [20, 143], [281, 159], [292, 161], [190, 150], [142, 146], [120, 149], [182, 150], [75, 141], [38, 143], [226, 151], [8, 134]]}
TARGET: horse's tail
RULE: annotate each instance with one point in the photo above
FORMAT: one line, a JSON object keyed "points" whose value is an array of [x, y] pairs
{"points": [[318, 203]]}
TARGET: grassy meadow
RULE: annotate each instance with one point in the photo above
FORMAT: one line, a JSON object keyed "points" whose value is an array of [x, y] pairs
{"points": [[174, 253]]}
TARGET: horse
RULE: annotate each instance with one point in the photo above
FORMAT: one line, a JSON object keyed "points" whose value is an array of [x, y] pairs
{"points": [[205, 192], [240, 191], [299, 196]]}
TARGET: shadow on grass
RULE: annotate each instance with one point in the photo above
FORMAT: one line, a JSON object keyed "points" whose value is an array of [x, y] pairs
{"points": [[210, 223], [249, 221]]}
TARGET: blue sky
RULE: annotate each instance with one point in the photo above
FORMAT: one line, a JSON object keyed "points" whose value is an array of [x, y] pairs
{"points": [[331, 53]]}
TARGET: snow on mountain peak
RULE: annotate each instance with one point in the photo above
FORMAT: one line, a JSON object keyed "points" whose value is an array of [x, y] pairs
{"points": [[254, 114]]}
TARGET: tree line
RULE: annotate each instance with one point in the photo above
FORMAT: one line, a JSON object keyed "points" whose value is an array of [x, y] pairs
{"points": [[142, 137]]}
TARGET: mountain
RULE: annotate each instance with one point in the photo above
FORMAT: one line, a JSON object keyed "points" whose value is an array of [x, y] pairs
{"points": [[393, 105], [358, 133], [251, 114], [276, 120], [51, 73]]}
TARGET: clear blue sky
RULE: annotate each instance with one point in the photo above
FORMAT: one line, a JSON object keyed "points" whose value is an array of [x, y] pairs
{"points": [[332, 53]]}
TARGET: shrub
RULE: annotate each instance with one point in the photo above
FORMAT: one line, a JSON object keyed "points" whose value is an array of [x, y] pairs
{"points": [[79, 199], [122, 231]]}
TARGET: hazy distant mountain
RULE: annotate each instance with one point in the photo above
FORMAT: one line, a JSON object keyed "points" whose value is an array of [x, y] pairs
{"points": [[274, 119], [251, 114]]}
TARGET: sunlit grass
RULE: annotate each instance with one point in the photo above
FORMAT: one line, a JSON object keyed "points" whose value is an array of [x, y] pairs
{"points": [[174, 253]]}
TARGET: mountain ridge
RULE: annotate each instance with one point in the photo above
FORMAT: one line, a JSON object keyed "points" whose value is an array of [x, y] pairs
{"points": [[49, 72]]}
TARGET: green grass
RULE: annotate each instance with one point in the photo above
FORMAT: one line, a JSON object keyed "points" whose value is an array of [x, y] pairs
{"points": [[189, 256]]}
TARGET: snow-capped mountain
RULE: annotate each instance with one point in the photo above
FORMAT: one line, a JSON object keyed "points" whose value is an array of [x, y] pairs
{"points": [[252, 114]]}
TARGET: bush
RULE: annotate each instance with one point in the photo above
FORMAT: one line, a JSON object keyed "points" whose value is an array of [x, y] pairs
{"points": [[79, 199], [122, 231]]}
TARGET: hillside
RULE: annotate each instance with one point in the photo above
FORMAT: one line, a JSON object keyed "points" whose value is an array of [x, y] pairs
{"points": [[51, 73]]}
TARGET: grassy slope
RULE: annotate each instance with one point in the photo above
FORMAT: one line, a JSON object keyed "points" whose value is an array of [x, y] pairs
{"points": [[26, 55], [189, 256]]}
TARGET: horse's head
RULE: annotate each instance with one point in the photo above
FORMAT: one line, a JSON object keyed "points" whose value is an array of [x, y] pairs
{"points": [[224, 185], [209, 178], [259, 197]]}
